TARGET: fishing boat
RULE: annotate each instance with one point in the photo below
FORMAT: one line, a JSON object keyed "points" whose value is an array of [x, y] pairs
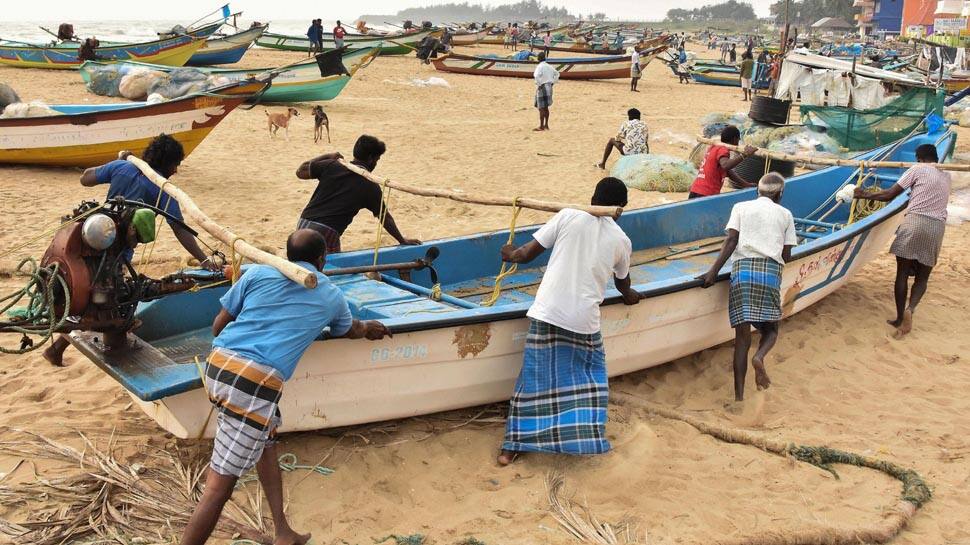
{"points": [[452, 352], [93, 134], [584, 68], [175, 51], [395, 44], [299, 82], [728, 76], [226, 49], [470, 38]]}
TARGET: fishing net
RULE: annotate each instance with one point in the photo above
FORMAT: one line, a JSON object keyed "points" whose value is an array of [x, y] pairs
{"points": [[714, 123], [867, 129], [135, 84], [655, 173], [792, 139]]}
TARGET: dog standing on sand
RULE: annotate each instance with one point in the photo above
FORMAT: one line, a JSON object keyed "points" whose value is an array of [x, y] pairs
{"points": [[320, 120], [277, 121]]}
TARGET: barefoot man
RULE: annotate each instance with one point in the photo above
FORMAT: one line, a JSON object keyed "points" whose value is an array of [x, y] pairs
{"points": [[760, 238], [545, 77], [920, 237], [560, 398], [265, 324], [631, 140]]}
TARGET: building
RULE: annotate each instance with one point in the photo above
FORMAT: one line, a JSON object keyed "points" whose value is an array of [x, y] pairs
{"points": [[887, 17], [951, 17], [918, 18], [864, 17]]}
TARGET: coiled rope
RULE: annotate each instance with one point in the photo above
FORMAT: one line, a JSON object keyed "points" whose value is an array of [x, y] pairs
{"points": [[39, 316], [508, 269]]}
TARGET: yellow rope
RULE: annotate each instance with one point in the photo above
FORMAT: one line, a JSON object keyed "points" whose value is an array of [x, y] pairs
{"points": [[863, 208], [50, 231], [436, 292], [385, 195], [508, 269], [767, 164], [233, 261]]}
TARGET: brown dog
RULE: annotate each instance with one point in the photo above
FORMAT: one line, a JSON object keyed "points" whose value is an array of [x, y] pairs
{"points": [[320, 120], [277, 121]]}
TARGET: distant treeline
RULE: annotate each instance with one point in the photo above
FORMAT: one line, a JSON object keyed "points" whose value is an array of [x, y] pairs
{"points": [[526, 10], [731, 10], [806, 12]]}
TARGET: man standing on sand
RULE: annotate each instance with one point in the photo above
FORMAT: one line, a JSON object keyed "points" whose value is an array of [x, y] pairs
{"points": [[718, 164], [265, 324], [747, 73], [338, 35], [315, 35], [560, 399], [547, 42], [725, 48], [760, 238], [919, 239], [631, 140], [545, 77], [341, 194], [636, 71]]}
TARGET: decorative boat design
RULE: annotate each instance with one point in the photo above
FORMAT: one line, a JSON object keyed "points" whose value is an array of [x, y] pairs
{"points": [[293, 83], [394, 44], [452, 352], [584, 68], [93, 134], [175, 51], [226, 49]]}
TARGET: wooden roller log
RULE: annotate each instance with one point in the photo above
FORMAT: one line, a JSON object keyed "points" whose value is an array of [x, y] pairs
{"points": [[292, 271], [533, 204]]}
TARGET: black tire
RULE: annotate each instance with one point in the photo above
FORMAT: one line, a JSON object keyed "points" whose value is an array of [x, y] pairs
{"points": [[753, 168], [766, 109]]}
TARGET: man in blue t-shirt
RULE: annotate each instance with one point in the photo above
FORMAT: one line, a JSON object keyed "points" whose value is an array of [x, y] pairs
{"points": [[266, 323]]}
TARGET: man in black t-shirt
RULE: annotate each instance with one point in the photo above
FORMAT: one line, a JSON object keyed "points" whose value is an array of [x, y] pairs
{"points": [[341, 194]]}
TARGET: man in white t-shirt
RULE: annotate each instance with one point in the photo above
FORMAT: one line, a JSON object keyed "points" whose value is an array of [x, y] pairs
{"points": [[760, 238], [636, 71], [545, 77], [560, 399]]}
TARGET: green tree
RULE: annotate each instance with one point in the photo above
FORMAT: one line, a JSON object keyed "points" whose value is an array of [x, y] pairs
{"points": [[732, 10]]}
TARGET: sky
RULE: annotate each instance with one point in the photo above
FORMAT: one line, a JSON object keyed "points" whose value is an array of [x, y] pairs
{"points": [[73, 10]]}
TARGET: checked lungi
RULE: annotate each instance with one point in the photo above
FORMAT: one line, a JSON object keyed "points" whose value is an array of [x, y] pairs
{"points": [[544, 96], [755, 291], [246, 395], [919, 238], [561, 396], [330, 235]]}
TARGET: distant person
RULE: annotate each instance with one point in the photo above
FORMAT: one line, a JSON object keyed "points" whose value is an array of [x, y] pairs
{"points": [[560, 400], [773, 74], [733, 54], [514, 34], [547, 43], [533, 39], [760, 238], [632, 139], [315, 35], [507, 42], [340, 194], [920, 237], [545, 77], [725, 49], [338, 35], [718, 164], [747, 73], [683, 70], [636, 71]]}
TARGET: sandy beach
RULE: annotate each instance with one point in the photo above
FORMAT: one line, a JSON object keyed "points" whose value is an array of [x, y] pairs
{"points": [[839, 379]]}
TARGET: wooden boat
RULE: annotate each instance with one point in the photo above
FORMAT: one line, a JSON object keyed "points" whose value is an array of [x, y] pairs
{"points": [[569, 68], [497, 37], [728, 76], [174, 51], [93, 134], [226, 49], [293, 83], [470, 38], [396, 44], [455, 353]]}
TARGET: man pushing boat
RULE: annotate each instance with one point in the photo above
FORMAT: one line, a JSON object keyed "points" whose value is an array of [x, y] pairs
{"points": [[265, 324], [560, 399]]}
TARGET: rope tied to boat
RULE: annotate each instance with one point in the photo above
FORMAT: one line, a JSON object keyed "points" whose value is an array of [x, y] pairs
{"points": [[234, 262], [508, 269], [39, 316], [385, 197]]}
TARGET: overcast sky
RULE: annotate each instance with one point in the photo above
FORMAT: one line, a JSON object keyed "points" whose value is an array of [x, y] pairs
{"points": [[13, 10]]}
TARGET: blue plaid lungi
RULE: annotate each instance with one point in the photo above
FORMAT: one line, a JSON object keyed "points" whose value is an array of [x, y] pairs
{"points": [[755, 291], [561, 396], [544, 96]]}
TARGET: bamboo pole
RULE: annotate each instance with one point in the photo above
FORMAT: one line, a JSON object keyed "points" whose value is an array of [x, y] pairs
{"points": [[533, 204], [292, 271], [812, 160]]}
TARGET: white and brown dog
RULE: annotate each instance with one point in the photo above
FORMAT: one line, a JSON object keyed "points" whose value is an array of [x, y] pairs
{"points": [[320, 121], [277, 121]]}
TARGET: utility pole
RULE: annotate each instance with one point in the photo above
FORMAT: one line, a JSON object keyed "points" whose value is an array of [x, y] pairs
{"points": [[784, 36]]}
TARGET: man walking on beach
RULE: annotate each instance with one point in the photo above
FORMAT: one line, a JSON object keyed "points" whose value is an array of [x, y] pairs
{"points": [[341, 194], [631, 140], [747, 73], [265, 324], [560, 399], [725, 48], [636, 71], [919, 239], [545, 77], [718, 164], [315, 35], [338, 35], [760, 238]]}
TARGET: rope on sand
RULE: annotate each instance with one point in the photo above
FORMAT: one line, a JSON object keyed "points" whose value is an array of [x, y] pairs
{"points": [[914, 495]]}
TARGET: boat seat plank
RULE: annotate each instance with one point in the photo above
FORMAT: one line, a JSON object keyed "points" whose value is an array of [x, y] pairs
{"points": [[373, 300]]}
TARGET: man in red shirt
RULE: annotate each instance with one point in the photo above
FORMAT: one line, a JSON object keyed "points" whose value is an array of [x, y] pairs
{"points": [[338, 35], [718, 164]]}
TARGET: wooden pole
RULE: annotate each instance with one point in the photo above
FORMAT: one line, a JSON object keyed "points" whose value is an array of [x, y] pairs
{"points": [[533, 204], [828, 161], [292, 271]]}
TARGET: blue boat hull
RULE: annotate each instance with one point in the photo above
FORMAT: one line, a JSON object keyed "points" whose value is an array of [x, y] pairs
{"points": [[226, 56]]}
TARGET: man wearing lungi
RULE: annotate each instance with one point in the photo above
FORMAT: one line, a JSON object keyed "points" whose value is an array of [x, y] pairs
{"points": [[266, 323], [545, 77], [760, 237], [920, 237], [560, 398]]}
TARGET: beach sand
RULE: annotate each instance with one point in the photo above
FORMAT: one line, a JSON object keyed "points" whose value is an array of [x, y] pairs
{"points": [[839, 379]]}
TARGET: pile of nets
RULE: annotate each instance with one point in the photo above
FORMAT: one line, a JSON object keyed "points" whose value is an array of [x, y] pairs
{"points": [[714, 123], [651, 172], [792, 139], [25, 109], [959, 113], [138, 82]]}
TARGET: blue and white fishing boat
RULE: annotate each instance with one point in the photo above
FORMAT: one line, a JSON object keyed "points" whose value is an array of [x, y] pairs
{"points": [[452, 352], [226, 49]]}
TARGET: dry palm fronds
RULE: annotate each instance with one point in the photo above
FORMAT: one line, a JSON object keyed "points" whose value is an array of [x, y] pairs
{"points": [[584, 527], [111, 501]]}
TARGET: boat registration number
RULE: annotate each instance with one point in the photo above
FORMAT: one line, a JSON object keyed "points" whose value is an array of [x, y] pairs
{"points": [[405, 352]]}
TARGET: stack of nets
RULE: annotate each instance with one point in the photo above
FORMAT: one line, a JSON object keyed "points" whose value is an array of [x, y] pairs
{"points": [[138, 82], [792, 139], [655, 173]]}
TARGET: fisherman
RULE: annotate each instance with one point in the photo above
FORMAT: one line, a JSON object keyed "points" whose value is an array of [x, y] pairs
{"points": [[87, 50], [338, 35], [718, 164], [747, 74], [636, 71], [920, 237], [560, 398], [725, 48], [733, 54], [760, 238], [545, 77], [164, 154], [315, 34], [341, 194], [514, 34], [547, 42], [683, 70], [773, 74], [266, 323], [631, 140]]}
